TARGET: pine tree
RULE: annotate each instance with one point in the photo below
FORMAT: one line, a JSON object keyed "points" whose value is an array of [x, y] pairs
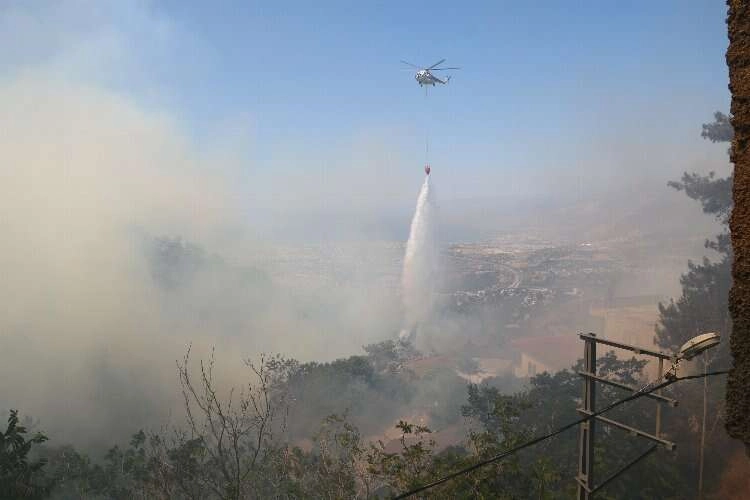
{"points": [[703, 306]]}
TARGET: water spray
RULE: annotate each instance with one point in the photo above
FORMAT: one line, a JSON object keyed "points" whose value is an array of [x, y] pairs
{"points": [[418, 277]]}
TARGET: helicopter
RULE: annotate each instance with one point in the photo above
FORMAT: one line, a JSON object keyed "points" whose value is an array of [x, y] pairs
{"points": [[424, 76]]}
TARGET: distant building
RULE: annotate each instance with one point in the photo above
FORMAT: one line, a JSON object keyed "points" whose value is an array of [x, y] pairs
{"points": [[423, 365], [546, 354], [631, 320], [487, 368]]}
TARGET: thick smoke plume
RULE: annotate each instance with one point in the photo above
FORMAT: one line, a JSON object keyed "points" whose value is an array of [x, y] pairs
{"points": [[99, 295], [420, 264]]}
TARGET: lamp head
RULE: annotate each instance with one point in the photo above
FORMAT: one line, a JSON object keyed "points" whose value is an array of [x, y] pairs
{"points": [[698, 344]]}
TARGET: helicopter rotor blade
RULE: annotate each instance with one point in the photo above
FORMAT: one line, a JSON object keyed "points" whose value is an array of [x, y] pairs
{"points": [[441, 61], [441, 69], [410, 64]]}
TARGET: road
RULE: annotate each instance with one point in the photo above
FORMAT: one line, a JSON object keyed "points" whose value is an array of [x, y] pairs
{"points": [[517, 276]]}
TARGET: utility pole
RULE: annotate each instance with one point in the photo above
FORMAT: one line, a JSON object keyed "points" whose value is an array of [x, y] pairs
{"points": [[586, 436], [703, 427], [584, 479]]}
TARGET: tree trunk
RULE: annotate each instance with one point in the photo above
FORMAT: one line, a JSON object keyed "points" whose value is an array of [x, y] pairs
{"points": [[738, 60]]}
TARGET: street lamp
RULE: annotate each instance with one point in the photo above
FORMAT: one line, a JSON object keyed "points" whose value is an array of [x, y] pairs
{"points": [[688, 351], [697, 345]]}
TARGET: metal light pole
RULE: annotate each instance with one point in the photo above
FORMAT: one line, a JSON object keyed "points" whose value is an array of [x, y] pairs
{"points": [[689, 350], [586, 437], [584, 479], [703, 428], [586, 487]]}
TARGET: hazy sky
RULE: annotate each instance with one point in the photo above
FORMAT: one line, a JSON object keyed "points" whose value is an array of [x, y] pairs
{"points": [[305, 90]]}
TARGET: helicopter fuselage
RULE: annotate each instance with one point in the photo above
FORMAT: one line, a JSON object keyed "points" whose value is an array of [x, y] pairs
{"points": [[424, 77]]}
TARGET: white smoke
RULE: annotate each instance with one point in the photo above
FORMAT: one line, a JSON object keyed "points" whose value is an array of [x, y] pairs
{"points": [[420, 264]]}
